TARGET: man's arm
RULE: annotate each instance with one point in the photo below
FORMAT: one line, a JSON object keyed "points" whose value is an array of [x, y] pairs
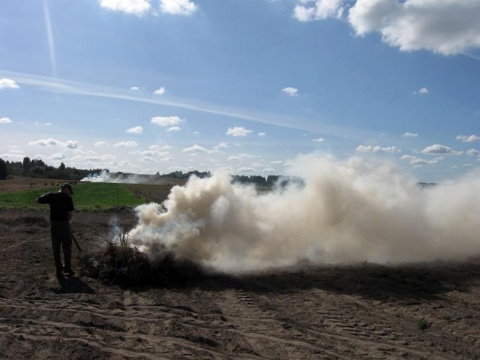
{"points": [[43, 199], [70, 215]]}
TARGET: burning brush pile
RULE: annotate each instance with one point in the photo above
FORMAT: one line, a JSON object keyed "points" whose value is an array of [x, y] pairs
{"points": [[120, 263]]}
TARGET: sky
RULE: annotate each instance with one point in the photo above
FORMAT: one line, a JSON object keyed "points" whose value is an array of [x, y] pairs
{"points": [[147, 86]]}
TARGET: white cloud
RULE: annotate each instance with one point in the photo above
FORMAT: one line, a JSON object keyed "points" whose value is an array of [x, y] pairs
{"points": [[160, 91], [409, 134], [158, 147], [166, 120], [473, 152], [8, 84], [290, 91], [442, 26], [440, 149], [319, 140], [178, 7], [135, 130], [135, 88], [322, 9], [5, 120], [376, 149], [135, 7], [269, 170], [468, 139], [151, 153], [126, 144], [422, 91], [221, 146], [238, 131], [100, 143], [240, 156], [414, 160], [57, 157], [195, 148], [43, 124], [245, 169], [174, 128], [447, 27], [70, 144], [262, 134]]}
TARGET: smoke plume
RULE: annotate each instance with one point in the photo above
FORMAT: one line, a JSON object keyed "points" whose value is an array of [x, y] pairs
{"points": [[344, 212]]}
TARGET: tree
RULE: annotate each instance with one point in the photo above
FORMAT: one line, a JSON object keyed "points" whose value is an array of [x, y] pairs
{"points": [[3, 170], [26, 163]]}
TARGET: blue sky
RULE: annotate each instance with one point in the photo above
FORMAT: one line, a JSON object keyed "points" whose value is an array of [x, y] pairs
{"points": [[149, 86]]}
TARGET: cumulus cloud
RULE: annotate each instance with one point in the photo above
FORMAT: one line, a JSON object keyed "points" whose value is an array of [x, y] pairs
{"points": [[5, 120], [238, 131], [243, 156], [422, 91], [377, 148], [290, 91], [446, 27], [174, 129], [440, 149], [158, 147], [437, 149], [465, 138], [126, 144], [135, 130], [70, 144], [409, 134], [417, 161], [195, 149], [319, 140], [473, 152], [57, 157], [134, 7], [166, 120], [151, 153], [160, 91], [317, 10], [262, 134], [8, 84], [178, 7], [221, 146]]}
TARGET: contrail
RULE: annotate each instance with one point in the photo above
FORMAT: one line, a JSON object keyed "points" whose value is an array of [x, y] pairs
{"points": [[89, 89], [344, 213], [51, 43]]}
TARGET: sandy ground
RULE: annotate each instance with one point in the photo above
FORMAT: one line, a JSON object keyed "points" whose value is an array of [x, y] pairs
{"points": [[358, 312]]}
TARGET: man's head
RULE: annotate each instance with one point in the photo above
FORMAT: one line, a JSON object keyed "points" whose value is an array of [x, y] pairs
{"points": [[67, 188]]}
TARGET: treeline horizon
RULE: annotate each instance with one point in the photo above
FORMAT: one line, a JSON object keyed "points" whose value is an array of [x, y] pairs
{"points": [[36, 168]]}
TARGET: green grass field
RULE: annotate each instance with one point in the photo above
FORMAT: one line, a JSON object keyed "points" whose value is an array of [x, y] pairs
{"points": [[91, 196]]}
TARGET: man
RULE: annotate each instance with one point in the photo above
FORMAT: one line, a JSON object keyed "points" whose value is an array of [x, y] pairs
{"points": [[61, 212]]}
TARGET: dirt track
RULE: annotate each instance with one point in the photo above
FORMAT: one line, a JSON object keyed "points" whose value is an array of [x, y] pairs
{"points": [[358, 312]]}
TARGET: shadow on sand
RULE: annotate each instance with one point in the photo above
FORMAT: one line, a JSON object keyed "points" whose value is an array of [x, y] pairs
{"points": [[405, 283], [71, 285]]}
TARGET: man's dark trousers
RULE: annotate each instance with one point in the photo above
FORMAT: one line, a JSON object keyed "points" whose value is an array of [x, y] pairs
{"points": [[61, 237]]}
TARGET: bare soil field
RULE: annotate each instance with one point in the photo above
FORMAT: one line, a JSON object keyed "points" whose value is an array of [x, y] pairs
{"points": [[26, 183], [420, 311]]}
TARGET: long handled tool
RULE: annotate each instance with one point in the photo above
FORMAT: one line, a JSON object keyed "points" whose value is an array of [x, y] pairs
{"points": [[76, 243]]}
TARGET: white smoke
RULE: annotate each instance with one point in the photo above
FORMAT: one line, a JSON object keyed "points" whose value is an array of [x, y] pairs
{"points": [[105, 177], [345, 212], [120, 178]]}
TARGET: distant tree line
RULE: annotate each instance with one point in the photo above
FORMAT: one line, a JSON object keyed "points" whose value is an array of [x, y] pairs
{"points": [[38, 169]]}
